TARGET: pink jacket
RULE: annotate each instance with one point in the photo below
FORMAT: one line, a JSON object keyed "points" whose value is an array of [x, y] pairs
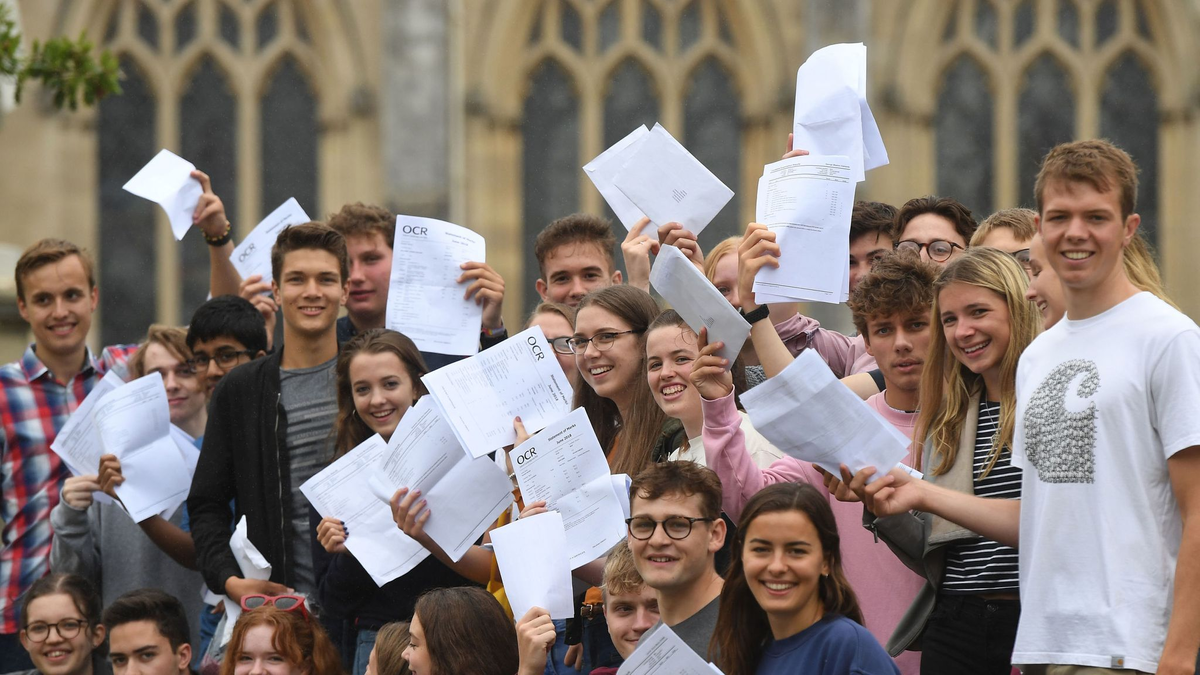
{"points": [[845, 355], [885, 587]]}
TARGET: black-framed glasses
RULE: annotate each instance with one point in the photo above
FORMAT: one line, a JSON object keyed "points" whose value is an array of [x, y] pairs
{"points": [[939, 250], [562, 345], [225, 358], [602, 341], [38, 631], [675, 527]]}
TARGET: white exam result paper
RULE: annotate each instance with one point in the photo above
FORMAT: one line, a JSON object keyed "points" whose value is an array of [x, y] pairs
{"points": [[831, 114], [78, 443], [465, 495], [134, 423], [661, 652], [480, 396], [253, 255], [699, 302], [605, 166], [425, 300], [808, 413], [253, 566], [564, 465], [807, 202], [342, 490], [532, 556], [668, 184], [167, 181]]}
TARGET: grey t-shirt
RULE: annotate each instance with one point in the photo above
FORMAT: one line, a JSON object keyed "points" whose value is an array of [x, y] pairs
{"points": [[697, 630], [310, 404]]}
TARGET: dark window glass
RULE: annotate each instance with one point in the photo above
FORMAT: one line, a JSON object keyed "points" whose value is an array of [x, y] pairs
{"points": [[208, 135], [629, 101], [268, 25], [610, 25], [1068, 21], [689, 26], [230, 27], [985, 22], [289, 140], [713, 133], [651, 26], [147, 25], [1106, 21], [1045, 118], [1129, 117], [185, 27], [550, 158], [126, 239], [572, 26], [1023, 22], [964, 129]]}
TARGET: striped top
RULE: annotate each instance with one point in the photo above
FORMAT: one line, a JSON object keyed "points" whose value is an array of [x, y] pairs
{"points": [[982, 565]]}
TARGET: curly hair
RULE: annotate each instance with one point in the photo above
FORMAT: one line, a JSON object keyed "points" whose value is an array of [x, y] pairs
{"points": [[900, 283]]}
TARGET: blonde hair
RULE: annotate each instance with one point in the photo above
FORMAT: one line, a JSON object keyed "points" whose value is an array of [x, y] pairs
{"points": [[1023, 223], [946, 385], [620, 573], [1141, 270], [714, 256], [171, 338]]}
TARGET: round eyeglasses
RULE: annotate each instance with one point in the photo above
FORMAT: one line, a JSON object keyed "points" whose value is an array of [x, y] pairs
{"points": [[939, 250], [602, 341], [38, 631], [675, 527]]}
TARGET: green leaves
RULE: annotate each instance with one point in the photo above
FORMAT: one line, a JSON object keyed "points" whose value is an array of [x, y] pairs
{"points": [[63, 66]]}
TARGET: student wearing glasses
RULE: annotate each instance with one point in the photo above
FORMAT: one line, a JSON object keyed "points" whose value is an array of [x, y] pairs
{"points": [[225, 332], [276, 635], [60, 627], [675, 531], [100, 542], [937, 228]]}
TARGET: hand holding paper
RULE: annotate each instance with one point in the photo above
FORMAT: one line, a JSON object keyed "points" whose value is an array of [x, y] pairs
{"points": [[532, 556], [699, 302], [167, 181], [253, 565]]}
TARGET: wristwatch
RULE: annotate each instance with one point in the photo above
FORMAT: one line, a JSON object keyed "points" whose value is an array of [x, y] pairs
{"points": [[755, 315]]}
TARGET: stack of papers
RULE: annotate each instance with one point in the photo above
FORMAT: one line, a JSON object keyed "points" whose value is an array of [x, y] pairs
{"points": [[167, 181], [650, 173], [133, 422], [480, 396], [465, 495], [661, 651], [564, 466], [699, 302], [808, 413], [532, 556], [832, 116], [343, 491], [425, 300], [253, 255], [807, 202]]}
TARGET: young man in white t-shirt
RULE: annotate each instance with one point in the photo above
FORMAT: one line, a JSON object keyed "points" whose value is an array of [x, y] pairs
{"points": [[1108, 436]]}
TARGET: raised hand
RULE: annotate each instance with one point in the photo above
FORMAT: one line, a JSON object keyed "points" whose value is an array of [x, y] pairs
{"points": [[77, 491], [793, 153], [637, 249], [757, 250], [331, 534], [110, 475], [710, 372], [674, 234], [209, 215], [535, 638], [487, 286]]}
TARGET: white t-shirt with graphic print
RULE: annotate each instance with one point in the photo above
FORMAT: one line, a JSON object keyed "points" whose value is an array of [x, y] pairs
{"points": [[1102, 403]]}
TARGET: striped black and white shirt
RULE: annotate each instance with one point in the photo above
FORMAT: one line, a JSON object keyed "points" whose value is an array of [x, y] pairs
{"points": [[982, 565]]}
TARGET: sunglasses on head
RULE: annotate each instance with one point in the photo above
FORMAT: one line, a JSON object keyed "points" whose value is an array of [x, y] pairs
{"points": [[287, 603]]}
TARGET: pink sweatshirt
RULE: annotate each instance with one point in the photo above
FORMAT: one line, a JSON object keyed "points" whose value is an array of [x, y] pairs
{"points": [[845, 355], [885, 587]]}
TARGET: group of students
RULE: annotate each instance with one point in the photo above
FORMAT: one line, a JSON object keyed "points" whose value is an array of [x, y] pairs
{"points": [[1045, 379]]}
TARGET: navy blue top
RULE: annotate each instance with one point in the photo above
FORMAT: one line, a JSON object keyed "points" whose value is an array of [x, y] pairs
{"points": [[834, 645]]}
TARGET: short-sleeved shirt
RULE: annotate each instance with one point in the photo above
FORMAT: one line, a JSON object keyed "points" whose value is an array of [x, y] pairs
{"points": [[1102, 405], [34, 406], [310, 406]]}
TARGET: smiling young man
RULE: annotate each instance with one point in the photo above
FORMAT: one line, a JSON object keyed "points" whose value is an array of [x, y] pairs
{"points": [[1108, 438], [147, 634], [224, 333], [370, 233], [56, 295], [270, 425], [675, 531], [575, 255]]}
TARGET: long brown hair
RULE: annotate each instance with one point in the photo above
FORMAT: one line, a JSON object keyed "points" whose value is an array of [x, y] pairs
{"points": [[467, 631], [742, 629], [350, 428], [946, 384], [630, 452], [297, 638], [390, 643]]}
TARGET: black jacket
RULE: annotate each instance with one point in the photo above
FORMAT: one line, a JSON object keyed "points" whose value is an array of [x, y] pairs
{"points": [[241, 461]]}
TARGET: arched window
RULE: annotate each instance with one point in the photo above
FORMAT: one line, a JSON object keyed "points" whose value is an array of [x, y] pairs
{"points": [[208, 79], [712, 131], [1020, 76]]}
